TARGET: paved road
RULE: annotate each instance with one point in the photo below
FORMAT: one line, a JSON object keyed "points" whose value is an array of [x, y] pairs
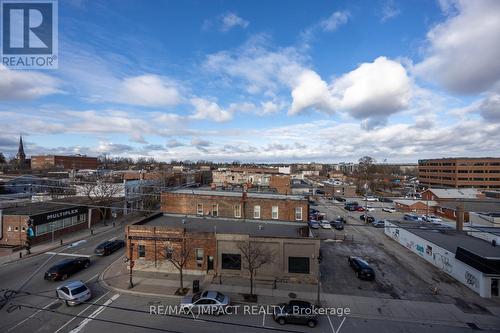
{"points": [[31, 320]]}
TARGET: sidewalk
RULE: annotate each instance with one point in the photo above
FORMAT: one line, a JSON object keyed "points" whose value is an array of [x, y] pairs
{"points": [[6, 256], [156, 284]]}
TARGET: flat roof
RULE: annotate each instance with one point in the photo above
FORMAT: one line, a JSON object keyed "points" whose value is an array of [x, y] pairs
{"points": [[479, 205], [230, 226], [450, 239], [35, 208], [259, 195]]}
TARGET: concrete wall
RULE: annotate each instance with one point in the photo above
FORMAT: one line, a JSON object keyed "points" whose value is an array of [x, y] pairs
{"points": [[442, 259]]}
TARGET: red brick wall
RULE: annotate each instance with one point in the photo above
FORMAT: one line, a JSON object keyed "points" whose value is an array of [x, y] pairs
{"points": [[186, 204], [14, 237], [281, 183]]}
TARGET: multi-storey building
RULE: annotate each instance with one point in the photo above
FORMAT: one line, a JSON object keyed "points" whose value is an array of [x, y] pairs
{"points": [[75, 162], [460, 172], [232, 204]]}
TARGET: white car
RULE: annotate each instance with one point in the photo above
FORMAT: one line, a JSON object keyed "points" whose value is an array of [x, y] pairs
{"points": [[371, 199], [370, 208], [432, 219], [73, 292], [389, 209], [325, 224]]}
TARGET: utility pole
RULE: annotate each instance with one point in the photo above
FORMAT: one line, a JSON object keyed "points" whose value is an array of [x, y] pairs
{"points": [[366, 201], [131, 264]]}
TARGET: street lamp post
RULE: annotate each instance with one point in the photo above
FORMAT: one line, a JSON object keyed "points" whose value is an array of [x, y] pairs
{"points": [[131, 264], [366, 201]]}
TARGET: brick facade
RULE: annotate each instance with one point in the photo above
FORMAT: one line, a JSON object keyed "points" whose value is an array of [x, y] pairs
{"points": [[64, 162], [226, 206], [281, 183]]}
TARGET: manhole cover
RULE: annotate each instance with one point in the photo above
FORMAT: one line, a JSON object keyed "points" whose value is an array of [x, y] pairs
{"points": [[292, 295]]}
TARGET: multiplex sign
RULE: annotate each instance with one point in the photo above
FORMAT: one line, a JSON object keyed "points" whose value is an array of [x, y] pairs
{"points": [[58, 215]]}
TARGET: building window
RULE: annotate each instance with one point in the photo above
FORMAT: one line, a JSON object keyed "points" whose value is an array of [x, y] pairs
{"points": [[298, 265], [237, 210], [141, 249], [298, 213], [215, 210], [169, 252], [199, 209], [231, 261], [256, 212], [198, 254], [275, 212]]}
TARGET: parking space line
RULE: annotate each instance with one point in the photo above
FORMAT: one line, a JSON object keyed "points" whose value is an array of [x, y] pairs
{"points": [[32, 315], [69, 254], [355, 229], [263, 319]]}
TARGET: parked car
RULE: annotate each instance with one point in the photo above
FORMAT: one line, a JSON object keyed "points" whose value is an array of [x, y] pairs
{"points": [[360, 209], [66, 267], [432, 219], [325, 224], [351, 206], [379, 223], [313, 211], [341, 219], [339, 199], [313, 224], [369, 218], [362, 268], [73, 292], [295, 312], [213, 300], [412, 217], [370, 208], [370, 198], [337, 225], [109, 247], [382, 199], [389, 209]]}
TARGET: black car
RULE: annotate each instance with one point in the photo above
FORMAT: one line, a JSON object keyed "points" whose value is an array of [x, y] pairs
{"points": [[337, 225], [369, 218], [295, 312], [384, 199], [66, 267], [362, 268], [351, 206], [339, 199], [109, 247]]}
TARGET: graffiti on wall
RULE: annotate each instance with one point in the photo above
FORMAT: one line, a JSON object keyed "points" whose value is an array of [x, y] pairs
{"points": [[420, 249], [471, 280], [443, 262]]}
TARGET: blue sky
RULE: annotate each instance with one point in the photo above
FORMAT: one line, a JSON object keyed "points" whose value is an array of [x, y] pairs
{"points": [[264, 81]]}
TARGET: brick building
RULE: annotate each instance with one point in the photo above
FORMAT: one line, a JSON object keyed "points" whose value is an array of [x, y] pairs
{"points": [[415, 206], [47, 219], [280, 183], [243, 175], [460, 172], [214, 247], [339, 190], [75, 162], [239, 205]]}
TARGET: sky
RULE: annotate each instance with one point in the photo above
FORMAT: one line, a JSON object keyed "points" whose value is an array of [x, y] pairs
{"points": [[263, 81]]}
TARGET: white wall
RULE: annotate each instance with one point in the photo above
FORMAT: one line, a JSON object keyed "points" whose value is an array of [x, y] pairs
{"points": [[442, 259]]}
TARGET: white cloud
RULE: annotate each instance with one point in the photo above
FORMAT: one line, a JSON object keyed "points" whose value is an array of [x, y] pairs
{"points": [[149, 90], [205, 109], [231, 20], [389, 11], [489, 108], [310, 91], [335, 20], [463, 51], [375, 89], [24, 85]]}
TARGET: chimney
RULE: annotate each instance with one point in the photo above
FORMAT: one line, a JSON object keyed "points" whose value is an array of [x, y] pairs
{"points": [[460, 217]]}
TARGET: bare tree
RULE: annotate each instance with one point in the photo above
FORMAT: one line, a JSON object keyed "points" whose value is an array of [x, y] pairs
{"points": [[253, 258], [178, 253], [102, 194]]}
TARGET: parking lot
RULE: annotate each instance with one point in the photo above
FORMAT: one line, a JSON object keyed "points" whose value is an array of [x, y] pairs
{"points": [[400, 274]]}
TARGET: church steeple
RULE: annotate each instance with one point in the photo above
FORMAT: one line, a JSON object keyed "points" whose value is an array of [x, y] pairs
{"points": [[21, 156]]}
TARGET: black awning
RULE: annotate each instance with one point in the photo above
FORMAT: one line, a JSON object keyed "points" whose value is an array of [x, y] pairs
{"points": [[482, 264]]}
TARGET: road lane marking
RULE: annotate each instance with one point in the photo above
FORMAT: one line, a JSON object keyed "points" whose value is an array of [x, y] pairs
{"points": [[94, 314], [69, 254], [69, 321], [355, 229], [32, 315], [263, 319], [340, 326]]}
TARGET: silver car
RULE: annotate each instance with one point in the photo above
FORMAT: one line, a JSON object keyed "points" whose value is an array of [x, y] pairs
{"points": [[205, 301], [73, 292]]}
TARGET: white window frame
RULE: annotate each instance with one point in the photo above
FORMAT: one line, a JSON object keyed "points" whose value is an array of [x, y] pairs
{"points": [[298, 210], [256, 212], [199, 211], [275, 210], [237, 210], [196, 252]]}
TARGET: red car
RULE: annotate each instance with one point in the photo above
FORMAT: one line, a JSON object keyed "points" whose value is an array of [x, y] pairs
{"points": [[360, 209]]}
